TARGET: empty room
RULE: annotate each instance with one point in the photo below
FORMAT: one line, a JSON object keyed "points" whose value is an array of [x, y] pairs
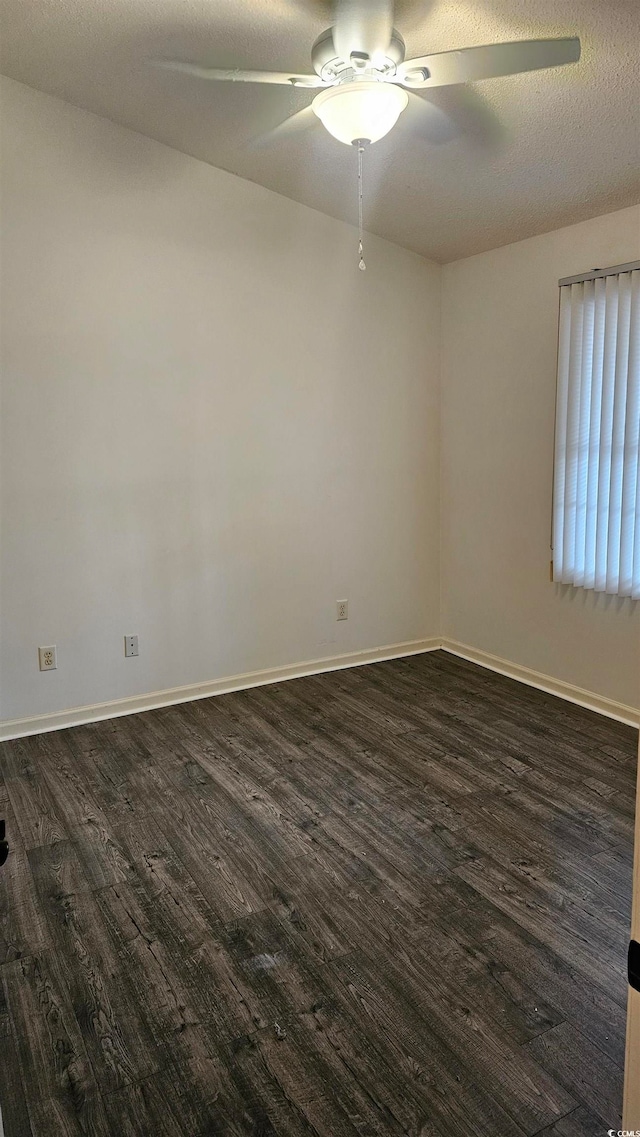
{"points": [[319, 568]]}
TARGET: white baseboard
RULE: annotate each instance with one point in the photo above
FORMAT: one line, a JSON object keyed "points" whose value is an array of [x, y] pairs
{"points": [[614, 710], [58, 720]]}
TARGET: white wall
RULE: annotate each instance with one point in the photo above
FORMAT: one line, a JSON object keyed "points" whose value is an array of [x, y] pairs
{"points": [[499, 371], [213, 425]]}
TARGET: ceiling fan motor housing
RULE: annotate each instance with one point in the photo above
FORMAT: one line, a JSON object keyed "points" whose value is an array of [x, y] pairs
{"points": [[328, 64]]}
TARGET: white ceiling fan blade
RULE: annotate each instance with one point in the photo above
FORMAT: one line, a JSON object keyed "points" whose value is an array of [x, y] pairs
{"points": [[282, 78], [363, 27], [298, 123], [488, 62]]}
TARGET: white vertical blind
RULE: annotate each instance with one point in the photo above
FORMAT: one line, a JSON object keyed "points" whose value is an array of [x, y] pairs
{"points": [[596, 514]]}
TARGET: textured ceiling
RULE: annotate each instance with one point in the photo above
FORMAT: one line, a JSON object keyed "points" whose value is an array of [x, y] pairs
{"points": [[529, 153]]}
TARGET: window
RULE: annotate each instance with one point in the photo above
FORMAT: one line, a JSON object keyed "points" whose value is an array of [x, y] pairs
{"points": [[596, 513]]}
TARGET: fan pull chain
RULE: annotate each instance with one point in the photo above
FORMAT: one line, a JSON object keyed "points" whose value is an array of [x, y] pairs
{"points": [[361, 265]]}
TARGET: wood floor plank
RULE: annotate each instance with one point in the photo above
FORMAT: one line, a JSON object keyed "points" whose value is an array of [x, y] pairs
{"points": [[224, 1093], [250, 842], [95, 752], [12, 1096], [57, 1076], [69, 786], [575, 1060], [575, 879], [55, 1116], [174, 1105], [23, 926], [38, 818], [99, 852], [426, 1063], [520, 1088], [495, 989], [574, 933], [558, 800], [113, 1024], [302, 1079], [185, 966], [585, 1004], [227, 888], [384, 900], [278, 977], [352, 1053], [155, 869], [22, 757], [579, 1123]]}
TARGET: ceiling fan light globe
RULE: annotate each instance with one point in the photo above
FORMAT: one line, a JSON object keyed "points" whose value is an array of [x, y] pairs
{"points": [[360, 110]]}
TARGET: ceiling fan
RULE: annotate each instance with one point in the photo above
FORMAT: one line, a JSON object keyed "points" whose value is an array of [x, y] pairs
{"points": [[366, 81]]}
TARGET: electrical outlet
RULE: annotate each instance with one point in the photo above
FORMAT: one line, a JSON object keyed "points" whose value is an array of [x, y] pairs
{"points": [[47, 658], [342, 609], [130, 646]]}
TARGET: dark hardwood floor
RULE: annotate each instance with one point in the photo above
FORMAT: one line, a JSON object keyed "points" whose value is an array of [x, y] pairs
{"points": [[388, 900]]}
